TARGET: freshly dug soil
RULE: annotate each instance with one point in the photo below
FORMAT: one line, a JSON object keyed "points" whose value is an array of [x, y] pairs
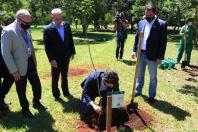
{"points": [[138, 119], [192, 71], [73, 71], [78, 71]]}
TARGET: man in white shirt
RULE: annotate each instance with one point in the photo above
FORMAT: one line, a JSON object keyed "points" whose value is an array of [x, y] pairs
{"points": [[152, 49]]}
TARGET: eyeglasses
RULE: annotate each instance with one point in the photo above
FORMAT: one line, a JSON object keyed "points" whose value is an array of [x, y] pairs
{"points": [[26, 23]]}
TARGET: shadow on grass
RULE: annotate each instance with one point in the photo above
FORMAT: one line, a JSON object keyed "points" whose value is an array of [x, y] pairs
{"points": [[173, 38], [188, 89], [195, 48], [129, 62], [80, 38], [192, 80], [170, 109], [38, 41], [93, 37], [72, 105], [42, 121], [37, 49]]}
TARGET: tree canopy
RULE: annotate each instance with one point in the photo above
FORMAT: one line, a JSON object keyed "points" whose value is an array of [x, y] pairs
{"points": [[100, 13]]}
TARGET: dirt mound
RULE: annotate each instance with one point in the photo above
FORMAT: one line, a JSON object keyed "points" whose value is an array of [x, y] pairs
{"points": [[73, 71], [78, 71], [191, 70], [138, 120]]}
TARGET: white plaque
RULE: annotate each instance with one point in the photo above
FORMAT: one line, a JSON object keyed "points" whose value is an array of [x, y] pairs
{"points": [[118, 99]]}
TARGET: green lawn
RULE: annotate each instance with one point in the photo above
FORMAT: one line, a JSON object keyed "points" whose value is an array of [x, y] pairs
{"points": [[176, 108]]}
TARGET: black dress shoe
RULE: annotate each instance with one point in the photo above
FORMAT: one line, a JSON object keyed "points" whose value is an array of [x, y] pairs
{"points": [[27, 114], [67, 94], [151, 100], [59, 100], [137, 94], [38, 106], [4, 107]]}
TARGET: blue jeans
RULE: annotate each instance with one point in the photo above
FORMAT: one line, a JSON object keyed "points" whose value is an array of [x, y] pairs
{"points": [[152, 68]]}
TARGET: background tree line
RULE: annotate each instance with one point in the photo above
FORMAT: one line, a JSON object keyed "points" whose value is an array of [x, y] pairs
{"points": [[100, 13]]}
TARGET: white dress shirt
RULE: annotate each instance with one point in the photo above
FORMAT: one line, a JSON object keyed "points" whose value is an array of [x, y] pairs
{"points": [[147, 29]]}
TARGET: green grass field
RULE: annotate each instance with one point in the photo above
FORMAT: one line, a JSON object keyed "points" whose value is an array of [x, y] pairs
{"points": [[176, 108]]}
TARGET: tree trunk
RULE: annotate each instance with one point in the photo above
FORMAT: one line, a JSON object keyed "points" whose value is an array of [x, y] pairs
{"points": [[84, 29], [96, 24], [84, 25]]}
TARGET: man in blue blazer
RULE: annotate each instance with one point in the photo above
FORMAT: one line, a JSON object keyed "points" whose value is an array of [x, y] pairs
{"points": [[97, 84], [153, 48], [59, 47]]}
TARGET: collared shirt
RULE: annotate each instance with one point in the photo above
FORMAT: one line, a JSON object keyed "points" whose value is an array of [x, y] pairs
{"points": [[27, 40], [190, 34], [60, 30], [147, 29]]}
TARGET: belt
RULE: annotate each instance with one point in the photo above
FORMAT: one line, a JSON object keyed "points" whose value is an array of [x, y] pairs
{"points": [[143, 50]]}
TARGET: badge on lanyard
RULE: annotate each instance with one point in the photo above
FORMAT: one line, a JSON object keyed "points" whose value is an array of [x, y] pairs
{"points": [[29, 52]]}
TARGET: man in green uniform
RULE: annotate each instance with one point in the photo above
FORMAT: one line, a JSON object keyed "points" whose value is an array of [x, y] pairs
{"points": [[190, 32]]}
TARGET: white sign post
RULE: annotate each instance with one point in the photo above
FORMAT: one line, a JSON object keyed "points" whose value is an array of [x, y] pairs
{"points": [[114, 100]]}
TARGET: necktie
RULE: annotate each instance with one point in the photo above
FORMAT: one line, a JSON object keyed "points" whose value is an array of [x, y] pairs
{"points": [[27, 42]]}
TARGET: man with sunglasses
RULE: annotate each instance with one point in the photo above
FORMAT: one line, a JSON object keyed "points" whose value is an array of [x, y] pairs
{"points": [[19, 56], [59, 47]]}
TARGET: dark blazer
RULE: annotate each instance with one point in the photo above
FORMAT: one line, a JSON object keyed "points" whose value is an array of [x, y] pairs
{"points": [[157, 40], [55, 48], [3, 69], [90, 86]]}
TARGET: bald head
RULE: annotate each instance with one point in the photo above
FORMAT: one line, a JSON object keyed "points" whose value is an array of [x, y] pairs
{"points": [[23, 16]]}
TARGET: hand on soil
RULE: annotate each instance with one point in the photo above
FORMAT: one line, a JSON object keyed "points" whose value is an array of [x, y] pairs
{"points": [[97, 109]]}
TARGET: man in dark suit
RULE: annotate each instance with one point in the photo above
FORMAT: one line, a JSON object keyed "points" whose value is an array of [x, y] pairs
{"points": [[152, 50], [6, 81], [60, 49]]}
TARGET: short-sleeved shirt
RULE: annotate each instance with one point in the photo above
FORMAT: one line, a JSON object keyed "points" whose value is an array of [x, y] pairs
{"points": [[190, 33]]}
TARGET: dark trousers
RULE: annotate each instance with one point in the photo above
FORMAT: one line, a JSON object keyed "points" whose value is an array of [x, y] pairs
{"points": [[119, 47], [6, 83], [63, 70], [33, 78]]}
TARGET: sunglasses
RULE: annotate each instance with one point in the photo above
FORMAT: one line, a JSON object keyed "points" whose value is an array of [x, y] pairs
{"points": [[26, 23]]}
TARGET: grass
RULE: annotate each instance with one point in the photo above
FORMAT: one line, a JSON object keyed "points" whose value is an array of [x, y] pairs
{"points": [[176, 108]]}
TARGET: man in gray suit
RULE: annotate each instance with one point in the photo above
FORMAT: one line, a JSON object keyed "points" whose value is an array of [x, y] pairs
{"points": [[18, 54]]}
